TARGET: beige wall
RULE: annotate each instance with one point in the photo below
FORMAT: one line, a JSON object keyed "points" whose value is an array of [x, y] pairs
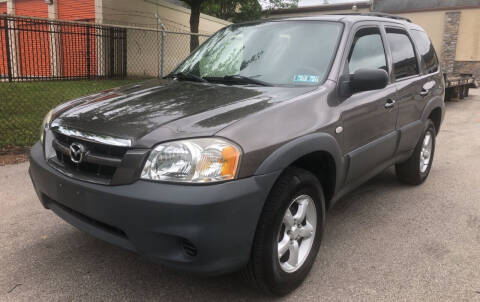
{"points": [[468, 44], [144, 46], [433, 23], [142, 13]]}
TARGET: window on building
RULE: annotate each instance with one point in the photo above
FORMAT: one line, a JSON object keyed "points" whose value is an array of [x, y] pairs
{"points": [[427, 52], [403, 54], [367, 51]]}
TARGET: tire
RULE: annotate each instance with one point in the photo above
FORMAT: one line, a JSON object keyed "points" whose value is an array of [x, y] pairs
{"points": [[410, 171], [265, 270]]}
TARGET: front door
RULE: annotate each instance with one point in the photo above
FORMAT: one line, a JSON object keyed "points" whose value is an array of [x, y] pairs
{"points": [[369, 117]]}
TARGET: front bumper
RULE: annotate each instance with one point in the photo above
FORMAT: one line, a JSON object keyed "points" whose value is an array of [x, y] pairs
{"points": [[205, 229]]}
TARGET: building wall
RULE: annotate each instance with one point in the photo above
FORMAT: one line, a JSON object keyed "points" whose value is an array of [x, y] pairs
{"points": [[31, 8], [433, 22], [468, 43], [3, 56], [144, 47], [3, 7], [34, 54], [69, 57], [75, 10], [142, 13], [455, 34], [468, 46]]}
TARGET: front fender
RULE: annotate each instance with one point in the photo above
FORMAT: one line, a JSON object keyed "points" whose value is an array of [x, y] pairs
{"points": [[295, 149]]}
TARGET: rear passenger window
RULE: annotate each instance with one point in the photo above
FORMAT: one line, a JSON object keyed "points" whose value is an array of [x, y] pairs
{"points": [[404, 60], [427, 52], [367, 51]]}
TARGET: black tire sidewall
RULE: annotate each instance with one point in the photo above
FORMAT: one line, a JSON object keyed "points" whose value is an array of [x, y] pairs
{"points": [[280, 281], [409, 171]]}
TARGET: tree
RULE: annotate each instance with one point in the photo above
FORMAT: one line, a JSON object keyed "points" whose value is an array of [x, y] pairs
{"points": [[195, 6], [243, 10], [232, 10]]}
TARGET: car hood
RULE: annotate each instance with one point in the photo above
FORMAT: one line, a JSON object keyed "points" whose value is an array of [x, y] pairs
{"points": [[159, 110]]}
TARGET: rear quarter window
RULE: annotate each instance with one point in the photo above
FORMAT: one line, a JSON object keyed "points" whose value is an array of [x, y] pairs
{"points": [[427, 52], [403, 54]]}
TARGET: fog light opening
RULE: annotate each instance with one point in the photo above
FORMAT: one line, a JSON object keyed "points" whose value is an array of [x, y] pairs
{"points": [[189, 248]]}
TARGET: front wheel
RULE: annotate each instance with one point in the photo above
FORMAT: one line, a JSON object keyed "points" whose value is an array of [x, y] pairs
{"points": [[288, 234], [415, 170]]}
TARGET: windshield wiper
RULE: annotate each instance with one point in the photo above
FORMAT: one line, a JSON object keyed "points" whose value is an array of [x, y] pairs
{"points": [[239, 79], [187, 76]]}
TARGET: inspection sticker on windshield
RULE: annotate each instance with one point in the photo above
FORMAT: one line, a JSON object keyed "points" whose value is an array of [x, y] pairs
{"points": [[305, 78]]}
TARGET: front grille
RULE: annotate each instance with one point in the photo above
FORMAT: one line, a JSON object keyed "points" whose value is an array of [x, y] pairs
{"points": [[99, 164], [96, 148]]}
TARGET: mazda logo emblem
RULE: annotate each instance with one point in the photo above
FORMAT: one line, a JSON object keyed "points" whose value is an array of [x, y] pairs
{"points": [[77, 151]]}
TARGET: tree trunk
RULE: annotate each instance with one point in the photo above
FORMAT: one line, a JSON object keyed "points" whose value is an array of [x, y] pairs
{"points": [[194, 22]]}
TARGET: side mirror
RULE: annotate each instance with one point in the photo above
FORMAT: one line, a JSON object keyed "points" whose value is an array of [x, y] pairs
{"points": [[368, 79], [363, 79]]}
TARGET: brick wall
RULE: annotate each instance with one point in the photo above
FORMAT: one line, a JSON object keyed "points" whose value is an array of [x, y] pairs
{"points": [[449, 48], [450, 37]]}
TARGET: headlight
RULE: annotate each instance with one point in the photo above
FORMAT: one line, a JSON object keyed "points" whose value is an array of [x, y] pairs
{"points": [[45, 125], [199, 160]]}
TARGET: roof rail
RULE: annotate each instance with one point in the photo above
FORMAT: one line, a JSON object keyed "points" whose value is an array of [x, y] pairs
{"points": [[374, 14]]}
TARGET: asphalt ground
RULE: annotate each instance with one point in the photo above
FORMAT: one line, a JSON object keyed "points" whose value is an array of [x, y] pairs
{"points": [[385, 241]]}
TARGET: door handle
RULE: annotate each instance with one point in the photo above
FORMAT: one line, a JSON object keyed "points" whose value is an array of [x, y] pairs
{"points": [[424, 92], [390, 103]]}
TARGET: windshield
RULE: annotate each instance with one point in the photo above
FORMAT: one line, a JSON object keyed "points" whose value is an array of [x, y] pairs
{"points": [[279, 53]]}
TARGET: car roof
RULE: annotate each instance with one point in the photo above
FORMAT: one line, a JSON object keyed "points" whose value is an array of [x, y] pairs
{"points": [[356, 17]]}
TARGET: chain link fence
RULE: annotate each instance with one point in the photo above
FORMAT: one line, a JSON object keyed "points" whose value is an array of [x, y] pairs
{"points": [[45, 62]]}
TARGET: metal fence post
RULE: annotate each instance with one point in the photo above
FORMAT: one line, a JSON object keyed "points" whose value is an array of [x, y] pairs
{"points": [[124, 73], [7, 46], [87, 29], [162, 45], [162, 58], [111, 52]]}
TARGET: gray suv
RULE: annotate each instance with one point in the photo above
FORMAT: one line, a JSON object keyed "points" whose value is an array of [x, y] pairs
{"points": [[232, 161]]}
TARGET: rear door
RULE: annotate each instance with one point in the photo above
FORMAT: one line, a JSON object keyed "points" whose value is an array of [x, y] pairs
{"points": [[368, 117], [413, 86]]}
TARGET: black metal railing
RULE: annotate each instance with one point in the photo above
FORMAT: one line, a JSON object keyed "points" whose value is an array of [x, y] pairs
{"points": [[45, 62], [42, 49]]}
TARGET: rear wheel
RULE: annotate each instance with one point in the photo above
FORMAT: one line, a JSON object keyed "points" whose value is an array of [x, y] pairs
{"points": [[415, 170], [288, 234]]}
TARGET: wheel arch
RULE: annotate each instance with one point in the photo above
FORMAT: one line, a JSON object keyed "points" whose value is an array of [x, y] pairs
{"points": [[436, 117], [434, 110], [320, 148]]}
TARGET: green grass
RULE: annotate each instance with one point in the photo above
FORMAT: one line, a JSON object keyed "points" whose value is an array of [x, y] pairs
{"points": [[23, 105]]}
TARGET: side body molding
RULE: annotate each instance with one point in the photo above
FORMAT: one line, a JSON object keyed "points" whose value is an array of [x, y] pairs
{"points": [[295, 149]]}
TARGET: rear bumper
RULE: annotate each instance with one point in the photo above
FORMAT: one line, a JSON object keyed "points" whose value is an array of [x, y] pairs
{"points": [[205, 229]]}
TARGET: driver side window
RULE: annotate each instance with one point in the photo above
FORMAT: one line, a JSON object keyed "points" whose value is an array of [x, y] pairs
{"points": [[367, 51]]}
